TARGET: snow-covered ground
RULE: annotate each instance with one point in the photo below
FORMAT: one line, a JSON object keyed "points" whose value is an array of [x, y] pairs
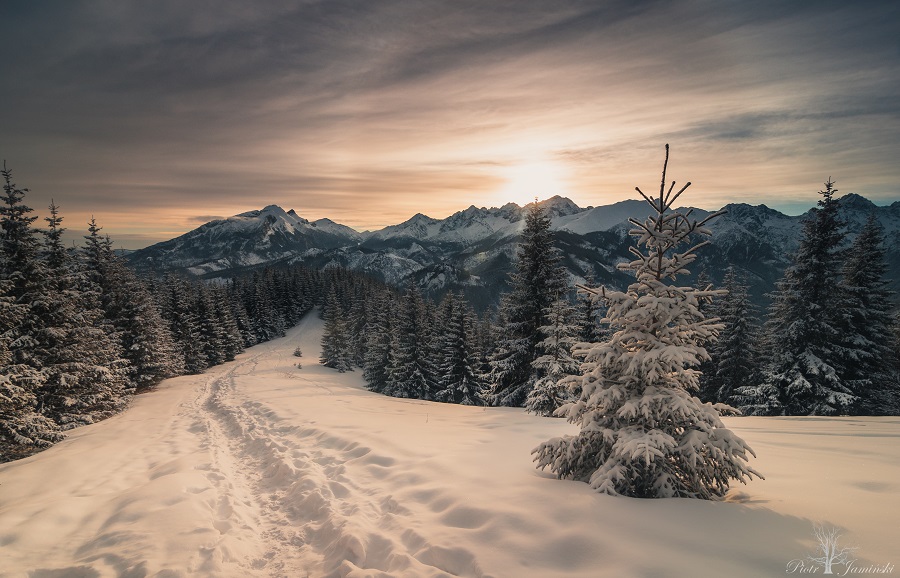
{"points": [[259, 468]]}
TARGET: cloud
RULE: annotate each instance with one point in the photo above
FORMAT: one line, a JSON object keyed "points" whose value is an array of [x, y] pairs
{"points": [[367, 112]]}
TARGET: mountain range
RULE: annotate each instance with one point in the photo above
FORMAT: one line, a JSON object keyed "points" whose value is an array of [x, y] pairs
{"points": [[473, 250]]}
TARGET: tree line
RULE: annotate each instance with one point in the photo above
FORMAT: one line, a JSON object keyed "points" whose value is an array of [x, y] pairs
{"points": [[828, 344], [409, 346], [80, 332]]}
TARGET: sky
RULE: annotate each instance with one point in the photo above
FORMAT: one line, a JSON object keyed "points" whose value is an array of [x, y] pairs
{"points": [[156, 117]]}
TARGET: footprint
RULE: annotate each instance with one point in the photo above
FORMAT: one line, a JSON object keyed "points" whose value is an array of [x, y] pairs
{"points": [[383, 461], [465, 517], [339, 490]]}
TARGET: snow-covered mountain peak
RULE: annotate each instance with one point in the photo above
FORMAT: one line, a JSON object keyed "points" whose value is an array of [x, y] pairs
{"points": [[418, 226], [274, 210], [329, 226], [420, 219], [854, 202], [557, 206], [601, 218]]}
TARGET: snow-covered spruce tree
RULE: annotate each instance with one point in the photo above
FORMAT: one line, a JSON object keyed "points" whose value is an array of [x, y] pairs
{"points": [[262, 308], [179, 310], [22, 284], [457, 381], [79, 355], [556, 366], [868, 324], [378, 342], [146, 342], [22, 427], [537, 279], [735, 356], [213, 338], [642, 433], [410, 372], [239, 313], [336, 346], [357, 318], [805, 338], [232, 341]]}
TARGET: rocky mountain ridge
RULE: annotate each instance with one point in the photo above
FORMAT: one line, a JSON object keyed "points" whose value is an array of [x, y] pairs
{"points": [[473, 250]]}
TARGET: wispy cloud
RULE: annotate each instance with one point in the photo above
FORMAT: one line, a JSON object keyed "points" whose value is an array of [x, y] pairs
{"points": [[366, 112]]}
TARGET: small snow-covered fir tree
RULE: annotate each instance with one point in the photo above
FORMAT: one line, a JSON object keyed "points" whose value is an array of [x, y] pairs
{"points": [[556, 364], [642, 433]]}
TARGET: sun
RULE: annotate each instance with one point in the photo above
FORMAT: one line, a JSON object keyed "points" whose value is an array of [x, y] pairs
{"points": [[527, 180]]}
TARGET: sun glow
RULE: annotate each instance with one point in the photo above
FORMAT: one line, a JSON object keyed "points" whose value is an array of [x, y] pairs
{"points": [[525, 181]]}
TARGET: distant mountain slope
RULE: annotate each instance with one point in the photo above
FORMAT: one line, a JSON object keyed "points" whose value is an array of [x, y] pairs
{"points": [[473, 250], [248, 239]]}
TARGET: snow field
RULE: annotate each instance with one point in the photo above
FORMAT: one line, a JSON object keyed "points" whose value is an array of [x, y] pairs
{"points": [[258, 468]]}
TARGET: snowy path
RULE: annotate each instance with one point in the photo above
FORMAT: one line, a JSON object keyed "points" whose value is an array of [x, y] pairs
{"points": [[259, 468]]}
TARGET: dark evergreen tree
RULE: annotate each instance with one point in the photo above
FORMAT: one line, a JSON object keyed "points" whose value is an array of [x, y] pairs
{"points": [[457, 378], [336, 346], [81, 360], [239, 312], [19, 242], [710, 310], [231, 340], [357, 318], [131, 314], [212, 334], [894, 339], [179, 310], [537, 280], [590, 313], [22, 427], [805, 342], [23, 284], [868, 325], [556, 365], [262, 309], [483, 343], [735, 357], [379, 331], [410, 373]]}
